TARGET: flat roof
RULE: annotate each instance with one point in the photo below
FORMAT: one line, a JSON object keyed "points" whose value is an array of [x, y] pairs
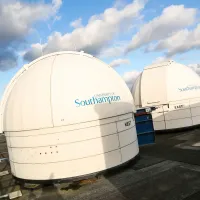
{"points": [[169, 169]]}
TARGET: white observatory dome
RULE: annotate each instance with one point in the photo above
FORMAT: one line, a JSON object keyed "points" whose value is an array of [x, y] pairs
{"points": [[65, 115], [174, 89]]}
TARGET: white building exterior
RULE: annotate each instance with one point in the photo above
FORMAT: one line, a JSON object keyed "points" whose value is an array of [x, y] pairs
{"points": [[65, 115], [174, 89]]}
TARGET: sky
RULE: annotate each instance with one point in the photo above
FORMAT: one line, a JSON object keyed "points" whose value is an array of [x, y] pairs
{"points": [[126, 34]]}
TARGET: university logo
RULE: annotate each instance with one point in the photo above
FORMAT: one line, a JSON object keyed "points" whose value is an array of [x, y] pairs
{"points": [[97, 99], [189, 88]]}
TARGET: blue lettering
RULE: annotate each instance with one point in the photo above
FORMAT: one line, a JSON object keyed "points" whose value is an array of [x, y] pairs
{"points": [[76, 101], [102, 99], [109, 99], [94, 100], [99, 100], [105, 99], [88, 102], [118, 98], [82, 103], [189, 88]]}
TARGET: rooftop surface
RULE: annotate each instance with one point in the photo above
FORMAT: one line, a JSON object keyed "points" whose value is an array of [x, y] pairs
{"points": [[167, 170]]}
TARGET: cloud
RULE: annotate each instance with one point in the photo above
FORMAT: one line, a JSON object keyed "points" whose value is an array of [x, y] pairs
{"points": [[56, 4], [119, 3], [172, 19], [116, 50], [160, 59], [8, 59], [77, 23], [17, 19], [111, 52], [118, 62], [99, 31], [56, 18], [37, 51], [130, 77], [195, 67], [180, 42]]}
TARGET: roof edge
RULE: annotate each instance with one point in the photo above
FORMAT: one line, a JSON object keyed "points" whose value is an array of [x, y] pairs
{"points": [[161, 64]]}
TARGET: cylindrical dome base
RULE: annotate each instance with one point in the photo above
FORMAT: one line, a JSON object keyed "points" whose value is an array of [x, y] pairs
{"points": [[177, 115], [71, 151]]}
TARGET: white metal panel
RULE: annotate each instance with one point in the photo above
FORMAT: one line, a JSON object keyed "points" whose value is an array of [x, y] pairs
{"points": [[73, 168], [125, 151], [178, 123], [195, 111], [177, 114], [136, 91], [63, 137], [158, 117], [196, 120], [8, 141], [6, 94], [29, 104], [166, 108], [74, 127], [10, 153], [12, 167], [12, 115], [127, 137], [158, 109], [125, 124], [159, 125], [29, 155], [194, 103], [126, 116], [65, 152], [153, 87], [182, 83], [69, 105], [60, 129]]}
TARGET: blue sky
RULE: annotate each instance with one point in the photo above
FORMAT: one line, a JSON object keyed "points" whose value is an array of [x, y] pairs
{"points": [[126, 34]]}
